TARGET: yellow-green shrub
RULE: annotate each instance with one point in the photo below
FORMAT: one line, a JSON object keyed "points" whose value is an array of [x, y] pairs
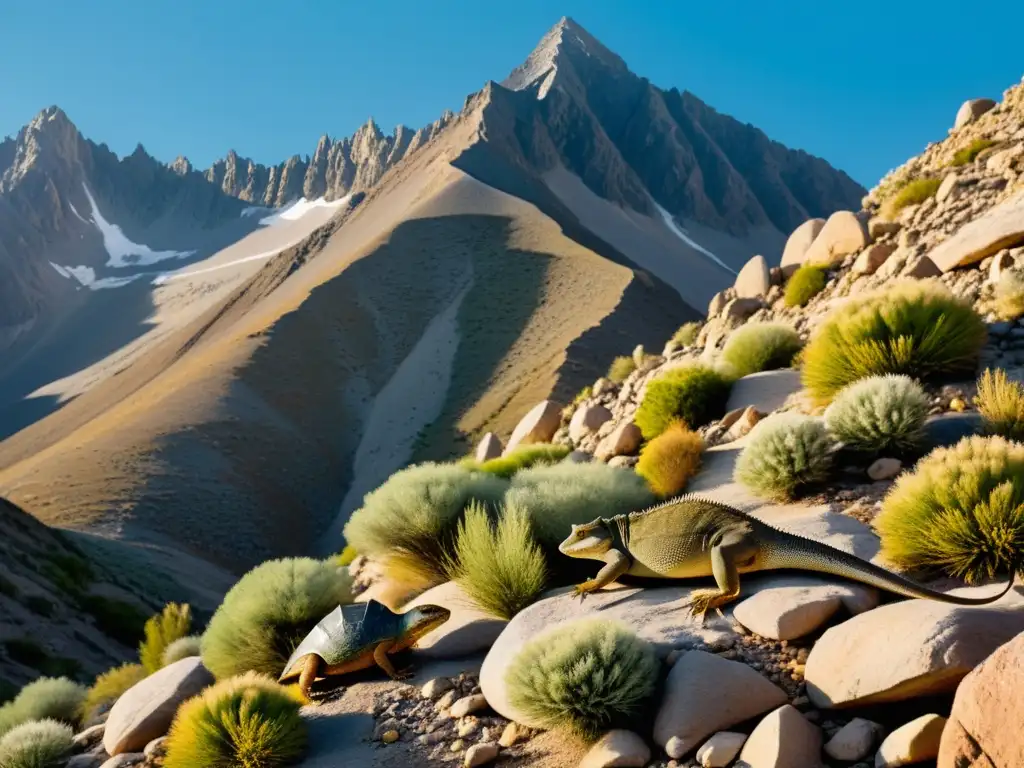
{"points": [[961, 511], [757, 347], [109, 686], [171, 624], [183, 648], [1009, 296], [687, 334], [534, 454], [971, 151], [879, 414], [916, 328], [1001, 404], [784, 453], [54, 698], [244, 722], [346, 556], [696, 394], [36, 744], [620, 369], [912, 193], [669, 461], [804, 284]]}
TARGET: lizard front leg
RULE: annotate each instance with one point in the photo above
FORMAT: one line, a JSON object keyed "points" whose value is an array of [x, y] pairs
{"points": [[735, 549], [380, 655], [310, 668], [616, 565]]}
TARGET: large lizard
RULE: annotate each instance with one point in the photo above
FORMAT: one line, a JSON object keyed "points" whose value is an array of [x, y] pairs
{"points": [[690, 537]]}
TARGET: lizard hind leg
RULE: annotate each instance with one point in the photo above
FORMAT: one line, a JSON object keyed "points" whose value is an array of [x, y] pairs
{"points": [[310, 668], [734, 549]]}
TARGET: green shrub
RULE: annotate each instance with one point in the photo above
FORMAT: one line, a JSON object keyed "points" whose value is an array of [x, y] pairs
{"points": [[585, 677], [523, 457], [501, 567], [687, 334], [117, 619], [1001, 404], [183, 648], [916, 328], [911, 193], [268, 612], [56, 698], [757, 347], [108, 688], [879, 414], [669, 461], [785, 452], [804, 284], [1009, 296], [173, 623], [347, 555], [620, 369], [36, 744], [971, 151], [245, 722], [561, 495], [961, 510], [409, 522], [694, 393]]}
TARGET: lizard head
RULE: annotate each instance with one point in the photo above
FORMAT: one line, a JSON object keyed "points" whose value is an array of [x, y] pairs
{"points": [[588, 540], [423, 619]]}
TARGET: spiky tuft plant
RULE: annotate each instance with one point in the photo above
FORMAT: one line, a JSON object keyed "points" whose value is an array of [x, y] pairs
{"points": [[879, 414], [534, 454], [55, 698], [804, 284], [967, 154], [961, 511], [1001, 404], [36, 744], [687, 334], [620, 369], [757, 347], [669, 461], [912, 193], [410, 521], [171, 624], [784, 453], [585, 677], [694, 393], [917, 328], [243, 722], [500, 567], [108, 688], [268, 612], [183, 648]]}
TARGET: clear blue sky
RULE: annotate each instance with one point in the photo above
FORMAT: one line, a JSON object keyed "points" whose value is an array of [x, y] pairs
{"points": [[864, 85]]}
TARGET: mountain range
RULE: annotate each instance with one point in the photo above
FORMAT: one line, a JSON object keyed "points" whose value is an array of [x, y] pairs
{"points": [[221, 362]]}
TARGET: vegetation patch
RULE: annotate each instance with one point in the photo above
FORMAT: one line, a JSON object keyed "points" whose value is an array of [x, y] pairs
{"points": [[31, 654], [347, 555], [268, 612], [961, 511], [912, 193], [173, 623], [247, 721], [37, 744], [1009, 296], [804, 284], [757, 347], [696, 394], [687, 334], [1001, 404], [46, 698], [585, 677], [117, 619], [523, 457], [108, 688], [879, 415], [183, 648], [501, 567], [620, 369], [971, 151], [410, 521], [785, 453], [916, 328], [669, 461]]}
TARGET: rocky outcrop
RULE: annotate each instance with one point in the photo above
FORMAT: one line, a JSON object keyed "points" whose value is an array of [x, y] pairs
{"points": [[798, 244]]}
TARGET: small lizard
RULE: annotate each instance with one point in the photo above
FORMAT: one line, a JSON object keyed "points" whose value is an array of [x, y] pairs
{"points": [[689, 537]]}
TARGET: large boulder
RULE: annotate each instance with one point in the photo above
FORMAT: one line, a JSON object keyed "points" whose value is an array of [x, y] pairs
{"points": [[623, 441], [798, 244], [537, 426], [704, 694], [783, 739], [844, 233], [468, 630], [754, 280], [1000, 227], [984, 726], [786, 613], [145, 711], [489, 448], [908, 649], [587, 419], [766, 391], [971, 110]]}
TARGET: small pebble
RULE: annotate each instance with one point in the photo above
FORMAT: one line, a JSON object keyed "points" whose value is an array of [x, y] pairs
{"points": [[467, 705], [390, 737], [480, 754], [434, 688], [457, 746], [513, 732]]}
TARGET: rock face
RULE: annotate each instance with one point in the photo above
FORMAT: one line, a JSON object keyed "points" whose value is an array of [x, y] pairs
{"points": [[754, 279], [907, 649], [783, 739], [798, 244], [1002, 227], [984, 726], [842, 235], [145, 711], [537, 426], [971, 110], [705, 693]]}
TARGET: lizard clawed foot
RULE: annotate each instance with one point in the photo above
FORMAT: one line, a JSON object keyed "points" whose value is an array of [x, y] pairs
{"points": [[401, 674], [704, 600], [582, 590]]}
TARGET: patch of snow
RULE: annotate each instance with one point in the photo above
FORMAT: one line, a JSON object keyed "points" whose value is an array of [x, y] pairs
{"points": [[254, 210], [122, 251], [670, 222], [75, 211], [60, 270], [546, 85], [86, 276], [166, 277], [300, 208]]}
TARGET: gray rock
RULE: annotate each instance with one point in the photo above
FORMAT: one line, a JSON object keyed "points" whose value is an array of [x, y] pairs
{"points": [[617, 749], [854, 741], [766, 391], [537, 426], [786, 613], [884, 469], [1001, 227], [783, 739], [754, 280], [587, 419], [480, 754], [844, 233], [468, 630], [798, 244], [971, 110], [489, 448], [721, 749], [124, 760], [950, 428]]}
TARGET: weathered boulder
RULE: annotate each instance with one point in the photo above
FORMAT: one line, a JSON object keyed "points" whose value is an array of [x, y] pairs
{"points": [[617, 749], [971, 110], [717, 304], [537, 426], [946, 187], [705, 693], [870, 259], [489, 448], [786, 613], [854, 741], [844, 233], [798, 243], [587, 419], [884, 468], [908, 649], [144, 712], [1001, 161], [879, 227], [984, 726], [623, 441], [739, 309], [766, 391], [914, 742], [721, 749], [1000, 227], [922, 268], [783, 739], [754, 280], [1001, 262], [468, 630]]}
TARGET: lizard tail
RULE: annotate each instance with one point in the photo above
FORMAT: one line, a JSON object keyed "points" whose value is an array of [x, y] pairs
{"points": [[798, 553]]}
